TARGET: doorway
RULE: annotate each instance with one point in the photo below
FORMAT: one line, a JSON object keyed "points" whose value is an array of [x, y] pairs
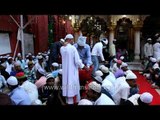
{"points": [[125, 37]]}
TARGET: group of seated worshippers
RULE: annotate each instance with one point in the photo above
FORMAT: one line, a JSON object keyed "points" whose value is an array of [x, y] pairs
{"points": [[115, 88], [28, 82], [152, 72]]}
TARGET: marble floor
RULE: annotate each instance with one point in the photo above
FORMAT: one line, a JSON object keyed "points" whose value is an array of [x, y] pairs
{"points": [[135, 66]]}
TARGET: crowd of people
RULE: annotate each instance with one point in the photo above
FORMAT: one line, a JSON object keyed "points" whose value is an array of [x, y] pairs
{"points": [[72, 74], [152, 62]]}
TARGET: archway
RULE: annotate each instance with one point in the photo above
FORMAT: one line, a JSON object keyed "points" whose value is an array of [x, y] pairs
{"points": [[123, 33], [93, 26], [125, 37]]}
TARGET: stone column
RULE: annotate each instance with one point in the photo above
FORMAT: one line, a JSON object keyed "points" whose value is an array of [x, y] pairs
{"points": [[137, 42], [111, 35], [137, 45]]}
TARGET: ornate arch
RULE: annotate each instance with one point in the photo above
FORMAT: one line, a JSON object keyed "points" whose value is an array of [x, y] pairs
{"points": [[93, 25]]}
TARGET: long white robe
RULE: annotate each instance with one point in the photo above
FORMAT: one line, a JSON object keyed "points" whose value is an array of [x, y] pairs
{"points": [[70, 64], [148, 50], [112, 50], [156, 50]]}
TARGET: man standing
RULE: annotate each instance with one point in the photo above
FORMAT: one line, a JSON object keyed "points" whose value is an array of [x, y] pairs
{"points": [[156, 49], [148, 49], [84, 51], [113, 49], [70, 64], [85, 55], [55, 55], [98, 51]]}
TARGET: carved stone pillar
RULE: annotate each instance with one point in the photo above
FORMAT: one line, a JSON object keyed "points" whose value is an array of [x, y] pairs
{"points": [[111, 34], [137, 28]]}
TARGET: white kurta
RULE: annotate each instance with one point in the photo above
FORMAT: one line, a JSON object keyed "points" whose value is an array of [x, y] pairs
{"points": [[70, 64], [156, 50], [111, 77], [148, 50], [134, 99], [9, 67], [104, 100], [115, 68], [31, 89], [40, 68], [128, 71], [98, 50], [122, 90], [108, 86], [112, 50]]}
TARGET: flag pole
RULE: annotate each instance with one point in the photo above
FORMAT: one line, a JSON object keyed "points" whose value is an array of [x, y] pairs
{"points": [[22, 37], [14, 55]]}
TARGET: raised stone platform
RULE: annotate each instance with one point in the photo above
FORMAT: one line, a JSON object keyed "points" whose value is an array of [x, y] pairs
{"points": [[135, 65]]}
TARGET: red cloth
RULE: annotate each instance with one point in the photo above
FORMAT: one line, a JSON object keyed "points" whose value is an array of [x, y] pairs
{"points": [[85, 75], [144, 86], [20, 75], [86, 88]]}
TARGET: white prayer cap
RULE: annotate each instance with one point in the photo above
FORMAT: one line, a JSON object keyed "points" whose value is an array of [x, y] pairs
{"points": [[4, 64], [26, 66], [47, 57], [155, 66], [146, 97], [156, 34], [29, 53], [98, 78], [100, 67], [153, 59], [12, 81], [49, 76], [131, 76], [33, 56], [17, 64], [39, 53], [158, 39], [115, 59], [149, 39], [39, 57], [95, 86], [9, 58], [55, 64], [62, 40], [122, 57], [19, 54], [69, 36], [104, 40], [105, 69], [60, 71], [98, 73], [8, 55], [37, 102], [114, 40], [85, 102], [81, 40], [27, 56], [124, 64]]}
